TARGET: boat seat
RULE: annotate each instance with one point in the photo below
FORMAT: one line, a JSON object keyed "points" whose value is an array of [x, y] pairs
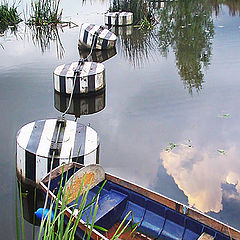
{"points": [[137, 212], [193, 229], [91, 194], [137, 204], [111, 205], [205, 236], [220, 236], [174, 226], [153, 221]]}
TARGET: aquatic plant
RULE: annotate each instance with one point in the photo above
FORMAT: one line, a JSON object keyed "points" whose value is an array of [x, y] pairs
{"points": [[53, 225], [45, 12], [8, 16]]}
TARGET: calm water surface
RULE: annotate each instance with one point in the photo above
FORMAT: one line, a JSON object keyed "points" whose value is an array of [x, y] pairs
{"points": [[178, 84]]}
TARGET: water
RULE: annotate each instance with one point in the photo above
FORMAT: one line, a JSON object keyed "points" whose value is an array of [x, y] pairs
{"points": [[179, 84]]}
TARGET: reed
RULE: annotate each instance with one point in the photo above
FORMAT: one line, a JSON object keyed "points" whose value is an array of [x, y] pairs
{"points": [[55, 228], [45, 12], [8, 16]]}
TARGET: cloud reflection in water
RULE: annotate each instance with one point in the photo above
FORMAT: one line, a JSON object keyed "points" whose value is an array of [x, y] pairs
{"points": [[201, 173]]}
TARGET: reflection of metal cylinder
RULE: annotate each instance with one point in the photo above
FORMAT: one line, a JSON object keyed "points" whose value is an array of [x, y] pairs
{"points": [[123, 31], [37, 141], [82, 105], [97, 56], [118, 18], [32, 199], [157, 4], [84, 77]]}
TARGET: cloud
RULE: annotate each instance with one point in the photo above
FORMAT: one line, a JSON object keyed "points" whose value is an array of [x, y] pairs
{"points": [[200, 173]]}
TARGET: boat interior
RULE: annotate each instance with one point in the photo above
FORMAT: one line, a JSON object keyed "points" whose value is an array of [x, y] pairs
{"points": [[155, 221]]}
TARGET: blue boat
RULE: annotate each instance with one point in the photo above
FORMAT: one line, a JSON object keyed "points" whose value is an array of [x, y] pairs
{"points": [[157, 216]]}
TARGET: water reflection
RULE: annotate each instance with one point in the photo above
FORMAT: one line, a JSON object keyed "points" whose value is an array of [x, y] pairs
{"points": [[32, 199], [233, 5], [80, 105], [139, 8], [96, 55], [44, 36], [135, 45], [187, 27], [196, 173]]}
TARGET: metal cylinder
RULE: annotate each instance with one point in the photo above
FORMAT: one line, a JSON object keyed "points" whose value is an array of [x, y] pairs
{"points": [[35, 141], [96, 37], [88, 77]]}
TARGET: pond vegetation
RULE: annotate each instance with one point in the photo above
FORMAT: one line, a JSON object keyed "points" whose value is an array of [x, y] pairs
{"points": [[45, 12], [8, 16], [53, 224]]}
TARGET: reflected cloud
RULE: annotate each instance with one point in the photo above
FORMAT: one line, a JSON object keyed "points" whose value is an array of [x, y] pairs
{"points": [[201, 173]]}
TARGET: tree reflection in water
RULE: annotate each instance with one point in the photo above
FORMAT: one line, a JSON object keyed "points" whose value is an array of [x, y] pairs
{"points": [[233, 5], [134, 44], [187, 27]]}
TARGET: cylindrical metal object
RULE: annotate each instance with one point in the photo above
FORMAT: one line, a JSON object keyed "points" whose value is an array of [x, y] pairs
{"points": [[96, 37], [76, 142], [88, 77]]}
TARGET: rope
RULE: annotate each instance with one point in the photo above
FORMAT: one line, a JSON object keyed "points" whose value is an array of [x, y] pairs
{"points": [[81, 61], [50, 174]]}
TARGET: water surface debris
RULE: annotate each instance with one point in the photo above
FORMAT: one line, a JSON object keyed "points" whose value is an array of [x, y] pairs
{"points": [[224, 115], [222, 151], [170, 147]]}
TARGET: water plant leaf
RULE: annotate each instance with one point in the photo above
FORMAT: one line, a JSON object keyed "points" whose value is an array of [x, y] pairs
{"points": [[221, 151], [224, 115], [170, 147]]}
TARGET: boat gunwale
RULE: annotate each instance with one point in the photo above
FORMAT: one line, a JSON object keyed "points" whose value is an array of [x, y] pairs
{"points": [[157, 197]]}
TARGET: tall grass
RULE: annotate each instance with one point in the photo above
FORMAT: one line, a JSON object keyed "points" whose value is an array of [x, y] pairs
{"points": [[58, 229], [8, 16], [45, 12]]}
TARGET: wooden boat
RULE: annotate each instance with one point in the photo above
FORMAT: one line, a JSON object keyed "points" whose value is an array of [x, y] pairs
{"points": [[158, 217], [96, 37]]}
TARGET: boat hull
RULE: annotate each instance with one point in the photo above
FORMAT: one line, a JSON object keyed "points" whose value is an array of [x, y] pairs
{"points": [[158, 217]]}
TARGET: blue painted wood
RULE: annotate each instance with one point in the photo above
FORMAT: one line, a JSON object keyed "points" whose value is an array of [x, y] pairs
{"points": [[155, 220]]}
